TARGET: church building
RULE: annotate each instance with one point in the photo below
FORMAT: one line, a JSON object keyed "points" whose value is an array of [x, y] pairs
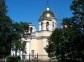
{"points": [[36, 41]]}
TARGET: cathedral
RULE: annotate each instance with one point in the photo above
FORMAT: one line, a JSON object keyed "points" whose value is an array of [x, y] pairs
{"points": [[36, 41]]}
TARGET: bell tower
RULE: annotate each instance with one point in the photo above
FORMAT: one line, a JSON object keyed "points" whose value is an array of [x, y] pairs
{"points": [[47, 21]]}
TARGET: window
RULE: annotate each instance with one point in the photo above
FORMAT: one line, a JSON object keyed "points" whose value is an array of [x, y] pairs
{"points": [[41, 25], [32, 53], [47, 26], [31, 29], [53, 24]]}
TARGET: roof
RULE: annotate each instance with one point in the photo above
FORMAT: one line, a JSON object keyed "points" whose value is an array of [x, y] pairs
{"points": [[47, 14]]}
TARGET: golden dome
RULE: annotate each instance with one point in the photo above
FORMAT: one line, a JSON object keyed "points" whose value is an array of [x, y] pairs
{"points": [[47, 14]]}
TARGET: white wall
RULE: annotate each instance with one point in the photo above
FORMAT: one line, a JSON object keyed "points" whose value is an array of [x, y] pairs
{"points": [[51, 28]]}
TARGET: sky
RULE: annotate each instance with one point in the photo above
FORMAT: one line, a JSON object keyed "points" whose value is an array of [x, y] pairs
{"points": [[31, 10]]}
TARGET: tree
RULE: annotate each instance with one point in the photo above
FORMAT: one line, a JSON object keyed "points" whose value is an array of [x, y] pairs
{"points": [[5, 35], [67, 43], [5, 30], [10, 32], [77, 7], [53, 43], [3, 9], [22, 48], [19, 30]]}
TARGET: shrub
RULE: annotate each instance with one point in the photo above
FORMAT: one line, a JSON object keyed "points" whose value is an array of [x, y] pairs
{"points": [[13, 59]]}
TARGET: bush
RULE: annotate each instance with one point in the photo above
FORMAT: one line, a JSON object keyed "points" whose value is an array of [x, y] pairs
{"points": [[13, 59]]}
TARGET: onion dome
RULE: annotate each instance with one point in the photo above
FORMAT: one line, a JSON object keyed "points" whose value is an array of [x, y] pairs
{"points": [[47, 14]]}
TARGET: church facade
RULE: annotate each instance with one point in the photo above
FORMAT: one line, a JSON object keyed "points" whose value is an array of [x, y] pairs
{"points": [[36, 41]]}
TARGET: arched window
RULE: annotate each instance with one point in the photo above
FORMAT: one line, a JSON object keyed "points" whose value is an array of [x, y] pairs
{"points": [[31, 29], [53, 24], [47, 26], [41, 25]]}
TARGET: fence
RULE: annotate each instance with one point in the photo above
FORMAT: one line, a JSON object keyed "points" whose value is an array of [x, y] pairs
{"points": [[35, 58]]}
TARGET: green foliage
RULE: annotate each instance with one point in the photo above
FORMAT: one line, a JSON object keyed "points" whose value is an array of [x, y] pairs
{"points": [[22, 47], [66, 44], [19, 30], [53, 42], [5, 31], [13, 59], [78, 7], [10, 32], [5, 35], [3, 10]]}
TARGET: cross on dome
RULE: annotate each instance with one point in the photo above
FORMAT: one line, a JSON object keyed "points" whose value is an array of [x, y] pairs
{"points": [[47, 8], [47, 5]]}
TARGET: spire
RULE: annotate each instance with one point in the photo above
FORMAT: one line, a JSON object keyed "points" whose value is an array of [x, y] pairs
{"points": [[47, 5]]}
